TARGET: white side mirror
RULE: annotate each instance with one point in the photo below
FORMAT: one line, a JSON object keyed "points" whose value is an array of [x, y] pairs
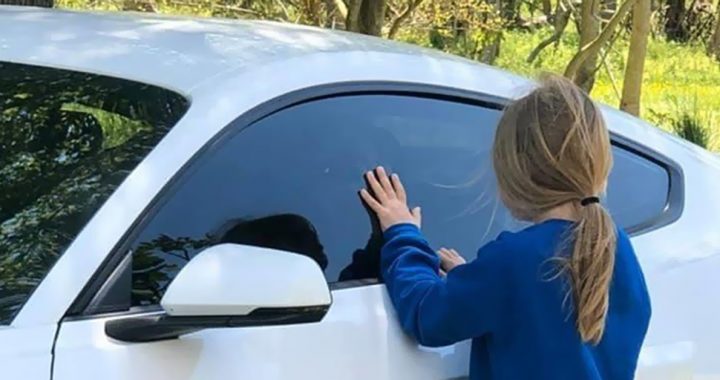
{"points": [[235, 280], [232, 285]]}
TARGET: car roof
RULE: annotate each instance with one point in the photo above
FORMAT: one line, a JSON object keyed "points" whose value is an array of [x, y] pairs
{"points": [[175, 52]]}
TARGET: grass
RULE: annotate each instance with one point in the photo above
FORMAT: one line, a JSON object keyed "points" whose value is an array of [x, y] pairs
{"points": [[678, 79]]}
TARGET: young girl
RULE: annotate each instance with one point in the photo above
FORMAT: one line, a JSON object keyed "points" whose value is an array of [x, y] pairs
{"points": [[562, 299]]}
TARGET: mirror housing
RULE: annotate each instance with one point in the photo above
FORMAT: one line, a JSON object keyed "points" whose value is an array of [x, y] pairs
{"points": [[230, 285]]}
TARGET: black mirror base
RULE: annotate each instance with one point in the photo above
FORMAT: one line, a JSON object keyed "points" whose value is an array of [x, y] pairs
{"points": [[149, 328]]}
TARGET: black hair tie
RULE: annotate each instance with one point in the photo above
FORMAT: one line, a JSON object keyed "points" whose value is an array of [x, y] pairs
{"points": [[589, 200]]}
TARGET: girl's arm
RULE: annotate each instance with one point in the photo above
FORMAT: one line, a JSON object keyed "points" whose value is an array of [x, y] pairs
{"points": [[468, 303], [437, 312]]}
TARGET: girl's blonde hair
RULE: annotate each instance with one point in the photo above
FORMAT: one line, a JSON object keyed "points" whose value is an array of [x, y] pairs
{"points": [[552, 148]]}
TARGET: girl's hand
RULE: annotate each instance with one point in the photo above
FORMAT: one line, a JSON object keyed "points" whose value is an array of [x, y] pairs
{"points": [[449, 259], [390, 200]]}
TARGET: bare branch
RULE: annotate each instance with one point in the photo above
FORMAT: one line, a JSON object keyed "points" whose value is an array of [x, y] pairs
{"points": [[593, 47], [286, 13], [611, 76], [562, 17], [341, 7], [604, 52], [397, 23]]}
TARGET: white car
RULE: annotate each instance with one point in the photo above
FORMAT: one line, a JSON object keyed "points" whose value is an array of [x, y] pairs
{"points": [[178, 200]]}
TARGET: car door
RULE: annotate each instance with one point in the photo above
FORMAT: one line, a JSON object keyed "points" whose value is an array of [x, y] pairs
{"points": [[289, 181]]}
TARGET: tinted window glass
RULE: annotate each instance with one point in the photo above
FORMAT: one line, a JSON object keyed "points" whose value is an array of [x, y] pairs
{"points": [[67, 140], [638, 189], [290, 181]]}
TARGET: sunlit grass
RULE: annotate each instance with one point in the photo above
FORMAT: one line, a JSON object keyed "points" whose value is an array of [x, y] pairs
{"points": [[678, 78]]}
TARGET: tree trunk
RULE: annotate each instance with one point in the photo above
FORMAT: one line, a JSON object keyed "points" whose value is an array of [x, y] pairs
{"points": [[366, 16], [353, 15], [594, 46], [547, 9], [589, 30], [714, 44], [509, 11], [632, 85], [490, 52], [674, 21]]}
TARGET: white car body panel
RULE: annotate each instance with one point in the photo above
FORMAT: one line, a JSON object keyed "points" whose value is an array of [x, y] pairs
{"points": [[218, 65], [354, 341], [26, 353]]}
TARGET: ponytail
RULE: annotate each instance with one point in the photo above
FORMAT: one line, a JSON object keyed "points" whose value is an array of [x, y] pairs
{"points": [[591, 267], [552, 148]]}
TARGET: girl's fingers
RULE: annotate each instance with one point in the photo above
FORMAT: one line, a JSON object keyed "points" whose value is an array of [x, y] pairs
{"points": [[444, 257], [385, 182], [399, 188], [375, 186], [417, 216], [450, 258], [370, 200]]}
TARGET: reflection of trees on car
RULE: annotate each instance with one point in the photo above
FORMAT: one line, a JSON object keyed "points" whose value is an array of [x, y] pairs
{"points": [[67, 141], [152, 272], [156, 262]]}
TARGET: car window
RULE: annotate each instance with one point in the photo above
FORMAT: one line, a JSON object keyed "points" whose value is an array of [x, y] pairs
{"points": [[638, 188], [290, 181], [67, 140]]}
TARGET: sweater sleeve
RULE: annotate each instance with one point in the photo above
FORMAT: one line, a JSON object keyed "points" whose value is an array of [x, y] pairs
{"points": [[436, 311]]}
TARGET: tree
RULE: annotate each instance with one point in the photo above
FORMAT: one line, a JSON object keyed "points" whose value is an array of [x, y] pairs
{"points": [[365, 16], [632, 85], [589, 30], [60, 161], [547, 8], [593, 47], [510, 11], [714, 44], [675, 29], [397, 23], [560, 22]]}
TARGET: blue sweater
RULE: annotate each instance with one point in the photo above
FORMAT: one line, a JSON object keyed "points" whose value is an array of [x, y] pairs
{"points": [[514, 315]]}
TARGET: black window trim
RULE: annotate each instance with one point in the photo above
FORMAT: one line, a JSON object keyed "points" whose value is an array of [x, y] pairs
{"points": [[80, 308]]}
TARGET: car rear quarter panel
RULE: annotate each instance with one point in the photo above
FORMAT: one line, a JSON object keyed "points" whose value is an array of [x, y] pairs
{"points": [[681, 262]]}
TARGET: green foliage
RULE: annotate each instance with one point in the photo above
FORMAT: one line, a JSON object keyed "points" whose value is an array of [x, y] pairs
{"points": [[675, 75], [67, 141], [116, 129], [688, 121], [689, 128], [469, 28]]}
